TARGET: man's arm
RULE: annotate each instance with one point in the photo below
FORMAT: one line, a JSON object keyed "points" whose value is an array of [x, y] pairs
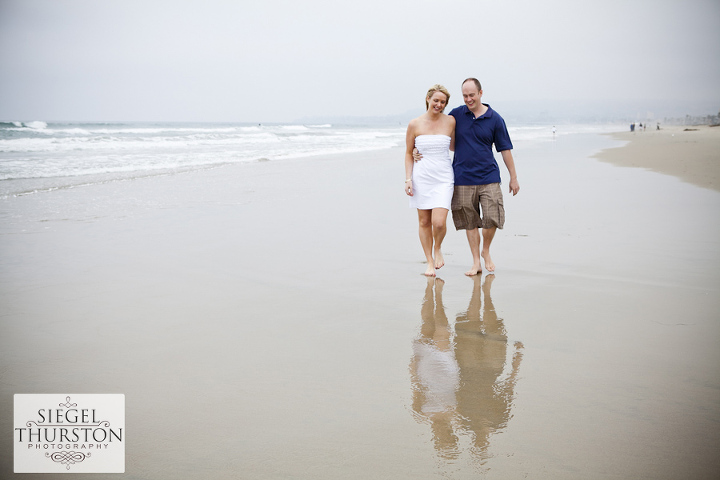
{"points": [[510, 164]]}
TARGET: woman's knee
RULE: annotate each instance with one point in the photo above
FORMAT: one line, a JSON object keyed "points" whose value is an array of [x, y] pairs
{"points": [[424, 219], [425, 223], [439, 220]]}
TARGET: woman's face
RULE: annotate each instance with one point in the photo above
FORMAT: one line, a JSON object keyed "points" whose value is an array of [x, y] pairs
{"points": [[437, 102]]}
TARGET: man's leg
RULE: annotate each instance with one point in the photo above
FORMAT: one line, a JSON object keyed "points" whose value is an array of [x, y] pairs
{"points": [[466, 216], [439, 229], [487, 235], [493, 217], [425, 230], [473, 236]]}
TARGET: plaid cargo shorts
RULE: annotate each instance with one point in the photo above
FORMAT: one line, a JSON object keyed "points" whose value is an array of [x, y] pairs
{"points": [[469, 199]]}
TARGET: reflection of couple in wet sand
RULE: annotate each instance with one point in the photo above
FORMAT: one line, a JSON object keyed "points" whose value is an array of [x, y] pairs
{"points": [[457, 378], [469, 184]]}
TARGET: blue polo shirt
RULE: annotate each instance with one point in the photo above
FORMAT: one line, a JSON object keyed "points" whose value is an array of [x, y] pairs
{"points": [[474, 162]]}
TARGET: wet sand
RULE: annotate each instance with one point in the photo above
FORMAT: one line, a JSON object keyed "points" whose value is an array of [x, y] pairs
{"points": [[691, 153], [270, 321]]}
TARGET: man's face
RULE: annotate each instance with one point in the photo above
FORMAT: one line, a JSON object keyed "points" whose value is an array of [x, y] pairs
{"points": [[471, 95]]}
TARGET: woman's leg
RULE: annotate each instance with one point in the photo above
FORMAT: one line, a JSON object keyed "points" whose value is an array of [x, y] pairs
{"points": [[439, 229], [426, 239]]}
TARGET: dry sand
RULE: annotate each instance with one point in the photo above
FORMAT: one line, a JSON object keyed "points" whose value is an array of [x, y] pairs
{"points": [[269, 321], [690, 153]]}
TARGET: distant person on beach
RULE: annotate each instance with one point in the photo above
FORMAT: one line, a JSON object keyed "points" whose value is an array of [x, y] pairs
{"points": [[430, 183], [477, 175], [553, 131]]}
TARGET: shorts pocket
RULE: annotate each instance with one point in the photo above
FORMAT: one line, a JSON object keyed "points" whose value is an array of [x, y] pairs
{"points": [[459, 218], [500, 213]]}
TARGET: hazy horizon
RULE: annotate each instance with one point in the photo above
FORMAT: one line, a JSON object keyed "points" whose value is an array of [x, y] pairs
{"points": [[281, 61]]}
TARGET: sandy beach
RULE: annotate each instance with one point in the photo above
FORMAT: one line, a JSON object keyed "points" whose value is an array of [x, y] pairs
{"points": [[691, 153], [269, 320]]}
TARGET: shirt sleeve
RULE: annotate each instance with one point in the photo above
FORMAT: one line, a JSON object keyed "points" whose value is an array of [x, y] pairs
{"points": [[501, 137]]}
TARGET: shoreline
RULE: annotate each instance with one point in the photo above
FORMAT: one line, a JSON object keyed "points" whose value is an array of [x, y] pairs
{"points": [[690, 153]]}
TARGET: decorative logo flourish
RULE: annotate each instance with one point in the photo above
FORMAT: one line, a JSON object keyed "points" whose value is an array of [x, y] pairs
{"points": [[67, 458], [67, 403]]}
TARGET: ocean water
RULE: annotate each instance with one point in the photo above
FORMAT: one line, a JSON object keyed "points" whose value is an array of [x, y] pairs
{"points": [[39, 157]]}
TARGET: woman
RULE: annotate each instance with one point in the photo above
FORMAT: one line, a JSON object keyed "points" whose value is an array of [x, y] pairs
{"points": [[429, 182]]}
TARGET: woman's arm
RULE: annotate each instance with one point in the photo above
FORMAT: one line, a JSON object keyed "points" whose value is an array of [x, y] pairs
{"points": [[409, 145], [452, 135]]}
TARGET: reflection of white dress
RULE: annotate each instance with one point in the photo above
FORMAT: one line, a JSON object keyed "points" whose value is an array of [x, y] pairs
{"points": [[439, 376], [432, 177]]}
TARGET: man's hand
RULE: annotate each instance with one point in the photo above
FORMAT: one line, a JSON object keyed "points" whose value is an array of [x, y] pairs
{"points": [[416, 155], [510, 164]]}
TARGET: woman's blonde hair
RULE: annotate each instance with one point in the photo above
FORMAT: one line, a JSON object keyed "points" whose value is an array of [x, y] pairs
{"points": [[436, 88]]}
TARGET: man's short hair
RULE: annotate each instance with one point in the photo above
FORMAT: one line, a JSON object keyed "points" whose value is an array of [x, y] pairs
{"points": [[474, 80]]}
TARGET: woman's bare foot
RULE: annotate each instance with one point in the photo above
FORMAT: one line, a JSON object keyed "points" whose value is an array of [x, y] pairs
{"points": [[475, 270], [488, 261], [430, 272], [439, 260]]}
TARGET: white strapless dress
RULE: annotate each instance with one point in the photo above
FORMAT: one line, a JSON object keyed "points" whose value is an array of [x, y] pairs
{"points": [[432, 177]]}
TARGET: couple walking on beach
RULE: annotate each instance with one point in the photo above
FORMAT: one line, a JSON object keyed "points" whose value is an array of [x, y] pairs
{"points": [[469, 185]]}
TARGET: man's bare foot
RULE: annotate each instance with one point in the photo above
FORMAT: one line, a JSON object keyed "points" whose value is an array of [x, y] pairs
{"points": [[475, 270], [439, 260], [430, 272], [489, 265]]}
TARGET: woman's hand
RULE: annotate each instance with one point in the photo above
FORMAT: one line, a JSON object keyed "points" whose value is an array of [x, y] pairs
{"points": [[408, 187]]}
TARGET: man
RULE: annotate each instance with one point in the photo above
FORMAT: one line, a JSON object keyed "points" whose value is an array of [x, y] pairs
{"points": [[477, 175]]}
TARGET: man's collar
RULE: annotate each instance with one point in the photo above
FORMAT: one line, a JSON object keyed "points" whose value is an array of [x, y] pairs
{"points": [[487, 114]]}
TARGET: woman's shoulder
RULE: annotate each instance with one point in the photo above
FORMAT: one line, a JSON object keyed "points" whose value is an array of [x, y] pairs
{"points": [[414, 123]]}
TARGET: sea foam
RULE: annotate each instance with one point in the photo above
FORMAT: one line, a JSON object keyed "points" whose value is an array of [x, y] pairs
{"points": [[59, 150]]}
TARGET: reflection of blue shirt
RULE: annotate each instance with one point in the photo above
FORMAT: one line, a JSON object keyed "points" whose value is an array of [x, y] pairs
{"points": [[474, 162]]}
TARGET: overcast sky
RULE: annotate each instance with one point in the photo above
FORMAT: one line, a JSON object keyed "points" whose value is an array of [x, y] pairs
{"points": [[276, 60]]}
